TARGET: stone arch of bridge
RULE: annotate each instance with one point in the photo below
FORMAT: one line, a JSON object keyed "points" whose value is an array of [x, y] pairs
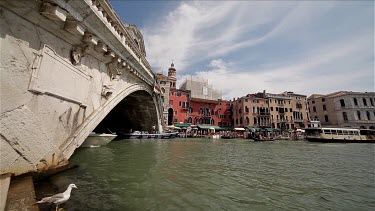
{"points": [[92, 121]]}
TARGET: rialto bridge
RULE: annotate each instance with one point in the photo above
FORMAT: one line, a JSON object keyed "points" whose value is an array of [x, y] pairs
{"points": [[68, 68]]}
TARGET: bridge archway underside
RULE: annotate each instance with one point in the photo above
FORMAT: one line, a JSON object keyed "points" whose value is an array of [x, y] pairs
{"points": [[136, 112]]}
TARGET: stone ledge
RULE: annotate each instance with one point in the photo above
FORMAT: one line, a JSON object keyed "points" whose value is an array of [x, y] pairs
{"points": [[21, 195]]}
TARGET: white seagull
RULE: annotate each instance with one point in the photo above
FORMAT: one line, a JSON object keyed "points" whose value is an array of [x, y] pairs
{"points": [[58, 198]]}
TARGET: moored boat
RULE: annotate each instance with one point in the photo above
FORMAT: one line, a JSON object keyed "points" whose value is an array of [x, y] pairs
{"points": [[340, 135], [139, 135], [95, 139]]}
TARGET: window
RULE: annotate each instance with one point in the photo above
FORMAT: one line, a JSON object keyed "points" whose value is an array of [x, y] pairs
{"points": [[179, 103], [371, 102], [277, 108], [359, 115], [171, 102], [342, 102], [271, 108], [247, 120], [241, 121], [364, 101], [236, 121], [355, 101], [313, 102], [255, 120], [324, 108], [323, 99], [290, 110], [175, 112], [345, 116], [368, 115], [326, 118], [314, 109]]}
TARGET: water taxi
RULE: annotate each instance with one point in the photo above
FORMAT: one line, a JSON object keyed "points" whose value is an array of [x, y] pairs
{"points": [[340, 135]]}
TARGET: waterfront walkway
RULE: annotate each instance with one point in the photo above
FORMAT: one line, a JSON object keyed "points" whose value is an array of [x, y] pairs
{"points": [[21, 195]]}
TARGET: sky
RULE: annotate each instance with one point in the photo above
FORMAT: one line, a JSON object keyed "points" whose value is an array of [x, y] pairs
{"points": [[242, 47]]}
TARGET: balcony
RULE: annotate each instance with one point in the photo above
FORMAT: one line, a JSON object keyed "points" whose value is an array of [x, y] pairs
{"points": [[263, 113], [298, 120]]}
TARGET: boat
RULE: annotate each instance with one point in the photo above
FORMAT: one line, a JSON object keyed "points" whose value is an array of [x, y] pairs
{"points": [[340, 135], [139, 135], [95, 139], [261, 139], [212, 136]]}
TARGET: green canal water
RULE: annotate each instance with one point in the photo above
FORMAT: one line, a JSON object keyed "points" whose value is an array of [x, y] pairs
{"points": [[202, 174]]}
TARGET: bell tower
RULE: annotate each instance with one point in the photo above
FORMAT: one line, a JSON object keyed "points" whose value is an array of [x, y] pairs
{"points": [[172, 76]]}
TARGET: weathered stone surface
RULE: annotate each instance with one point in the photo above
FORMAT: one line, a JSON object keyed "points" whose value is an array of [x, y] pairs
{"points": [[21, 195], [49, 101], [21, 130]]}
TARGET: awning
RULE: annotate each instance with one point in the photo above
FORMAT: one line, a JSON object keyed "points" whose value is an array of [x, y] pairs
{"points": [[251, 128], [206, 127], [225, 128], [239, 129], [181, 125]]}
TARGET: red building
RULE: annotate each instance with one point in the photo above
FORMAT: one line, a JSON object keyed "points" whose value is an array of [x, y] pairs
{"points": [[210, 112], [179, 104], [182, 108]]}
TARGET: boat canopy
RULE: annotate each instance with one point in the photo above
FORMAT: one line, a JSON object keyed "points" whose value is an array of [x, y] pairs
{"points": [[180, 125], [206, 127], [239, 129]]}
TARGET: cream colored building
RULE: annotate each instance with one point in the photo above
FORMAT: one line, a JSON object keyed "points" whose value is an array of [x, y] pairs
{"points": [[166, 84], [344, 109], [284, 111]]}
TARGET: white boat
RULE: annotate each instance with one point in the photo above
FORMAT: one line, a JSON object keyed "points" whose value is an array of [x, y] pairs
{"points": [[341, 135], [95, 139], [213, 136]]}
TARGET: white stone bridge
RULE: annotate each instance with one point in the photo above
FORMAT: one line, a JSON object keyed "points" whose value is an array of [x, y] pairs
{"points": [[68, 68]]}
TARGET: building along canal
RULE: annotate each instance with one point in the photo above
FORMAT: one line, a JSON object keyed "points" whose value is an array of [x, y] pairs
{"points": [[202, 174]]}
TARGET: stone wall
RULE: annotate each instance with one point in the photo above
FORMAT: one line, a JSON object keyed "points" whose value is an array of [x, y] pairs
{"points": [[57, 84]]}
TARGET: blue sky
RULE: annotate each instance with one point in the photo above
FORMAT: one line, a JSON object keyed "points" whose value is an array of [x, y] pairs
{"points": [[247, 46]]}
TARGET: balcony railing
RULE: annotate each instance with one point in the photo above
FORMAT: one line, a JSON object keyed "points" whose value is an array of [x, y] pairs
{"points": [[298, 120]]}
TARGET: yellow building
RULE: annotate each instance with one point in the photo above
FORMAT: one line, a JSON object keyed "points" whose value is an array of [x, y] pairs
{"points": [[284, 111]]}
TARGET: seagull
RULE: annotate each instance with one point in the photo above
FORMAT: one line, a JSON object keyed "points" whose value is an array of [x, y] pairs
{"points": [[58, 198]]}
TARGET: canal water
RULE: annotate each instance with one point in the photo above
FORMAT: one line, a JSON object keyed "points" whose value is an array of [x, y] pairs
{"points": [[202, 174]]}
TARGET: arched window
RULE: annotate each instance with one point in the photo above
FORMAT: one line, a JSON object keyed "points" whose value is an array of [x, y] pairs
{"points": [[314, 109], [201, 121], [371, 102], [241, 121], [362, 127], [212, 122], [196, 120], [368, 115], [255, 121], [324, 107], [247, 120], [162, 90], [345, 116], [236, 121], [253, 109], [359, 115], [355, 101], [189, 120], [342, 102], [326, 118], [364, 101]]}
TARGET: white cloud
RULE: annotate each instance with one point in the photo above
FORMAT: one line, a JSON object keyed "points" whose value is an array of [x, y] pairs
{"points": [[200, 32]]}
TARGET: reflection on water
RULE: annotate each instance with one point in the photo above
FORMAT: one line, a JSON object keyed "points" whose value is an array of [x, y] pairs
{"points": [[198, 174]]}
